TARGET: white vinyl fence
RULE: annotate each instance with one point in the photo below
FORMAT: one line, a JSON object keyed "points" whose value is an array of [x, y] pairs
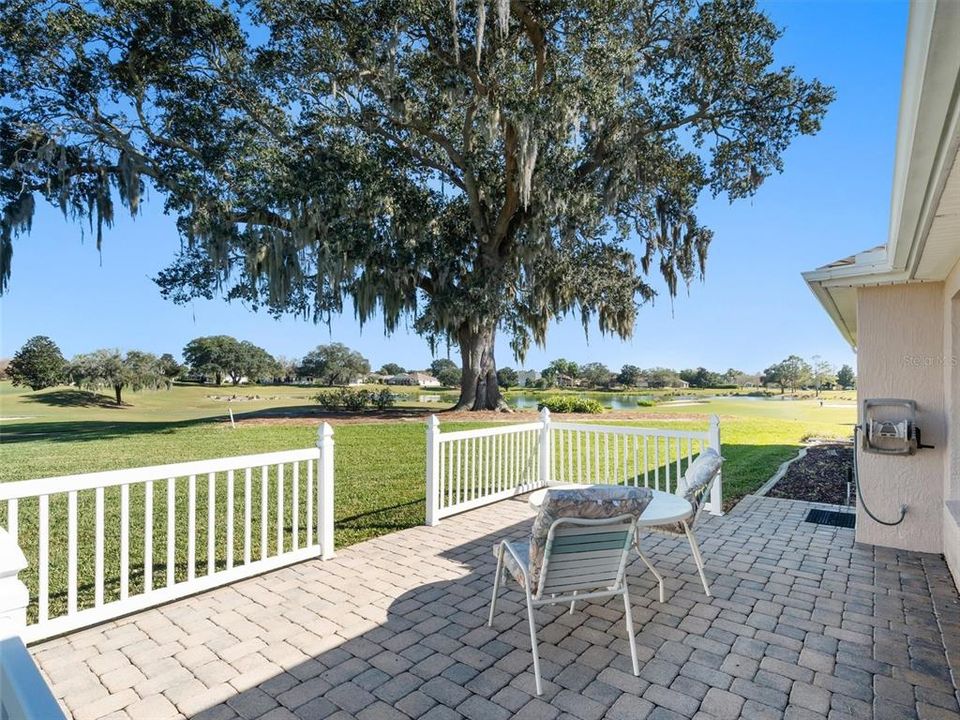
{"points": [[470, 468], [101, 545]]}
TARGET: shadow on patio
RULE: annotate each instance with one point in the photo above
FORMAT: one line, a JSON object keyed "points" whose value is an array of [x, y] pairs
{"points": [[803, 624]]}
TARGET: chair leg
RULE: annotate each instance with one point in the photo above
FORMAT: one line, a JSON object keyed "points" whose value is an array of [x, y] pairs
{"points": [[533, 642], [573, 603], [697, 557], [628, 620], [496, 586], [651, 568]]}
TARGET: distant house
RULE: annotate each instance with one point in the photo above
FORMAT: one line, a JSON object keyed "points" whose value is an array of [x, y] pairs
{"points": [[425, 379], [413, 378], [526, 378], [401, 379], [681, 384], [378, 378]]}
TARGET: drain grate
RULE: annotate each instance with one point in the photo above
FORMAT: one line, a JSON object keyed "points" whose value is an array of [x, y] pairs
{"points": [[832, 517]]}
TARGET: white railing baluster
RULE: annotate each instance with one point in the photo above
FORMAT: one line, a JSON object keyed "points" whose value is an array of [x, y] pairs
{"points": [[72, 552], [148, 536], [616, 457], [280, 521], [457, 495], [656, 461], [247, 508], [606, 458], [310, 503], [264, 517], [229, 519], [646, 462], [666, 464], [191, 527], [171, 531], [43, 599], [296, 506], [443, 490], [98, 557], [597, 472], [211, 523], [679, 460], [485, 467], [124, 542]]}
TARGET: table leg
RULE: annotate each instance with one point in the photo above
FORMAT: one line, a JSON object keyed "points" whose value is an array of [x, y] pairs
{"points": [[658, 576]]}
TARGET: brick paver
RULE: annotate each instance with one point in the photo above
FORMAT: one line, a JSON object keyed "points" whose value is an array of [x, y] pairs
{"points": [[803, 624]]}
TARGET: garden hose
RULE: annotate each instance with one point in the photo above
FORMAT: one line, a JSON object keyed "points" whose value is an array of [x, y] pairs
{"points": [[863, 500]]}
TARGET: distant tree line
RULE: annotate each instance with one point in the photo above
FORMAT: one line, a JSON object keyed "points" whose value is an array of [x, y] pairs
{"points": [[215, 359]]}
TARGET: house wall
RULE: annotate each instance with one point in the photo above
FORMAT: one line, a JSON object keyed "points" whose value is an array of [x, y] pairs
{"points": [[951, 459], [900, 355]]}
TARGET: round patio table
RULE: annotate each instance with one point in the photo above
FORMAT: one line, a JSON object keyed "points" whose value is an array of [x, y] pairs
{"points": [[664, 509]]}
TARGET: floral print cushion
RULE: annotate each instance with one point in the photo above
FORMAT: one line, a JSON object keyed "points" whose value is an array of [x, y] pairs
{"points": [[694, 485], [522, 549]]}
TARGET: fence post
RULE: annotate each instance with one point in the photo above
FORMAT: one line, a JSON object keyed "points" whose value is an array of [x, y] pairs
{"points": [[433, 468], [325, 491], [14, 595], [545, 454], [716, 492]]}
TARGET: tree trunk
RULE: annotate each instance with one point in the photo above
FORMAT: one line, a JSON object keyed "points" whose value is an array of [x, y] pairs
{"points": [[117, 389], [479, 389]]}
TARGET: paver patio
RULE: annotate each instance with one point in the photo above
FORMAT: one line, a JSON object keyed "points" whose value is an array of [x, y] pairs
{"points": [[804, 624]]}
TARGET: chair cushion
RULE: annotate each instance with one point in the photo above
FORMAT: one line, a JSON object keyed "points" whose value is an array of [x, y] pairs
{"points": [[521, 548], [593, 503], [700, 472], [694, 484]]}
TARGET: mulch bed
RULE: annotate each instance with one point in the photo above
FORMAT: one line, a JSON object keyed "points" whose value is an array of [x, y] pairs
{"points": [[819, 476]]}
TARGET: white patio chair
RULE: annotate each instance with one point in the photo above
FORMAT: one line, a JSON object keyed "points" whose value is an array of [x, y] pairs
{"points": [[578, 550], [695, 486]]}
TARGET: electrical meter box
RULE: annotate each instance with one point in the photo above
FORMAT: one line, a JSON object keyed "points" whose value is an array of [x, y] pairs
{"points": [[890, 426]]}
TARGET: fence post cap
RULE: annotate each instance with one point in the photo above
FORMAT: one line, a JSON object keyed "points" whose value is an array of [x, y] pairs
{"points": [[714, 420], [544, 413], [325, 431], [433, 422]]}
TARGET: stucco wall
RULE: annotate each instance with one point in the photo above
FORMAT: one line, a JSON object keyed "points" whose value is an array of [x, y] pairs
{"points": [[951, 458], [900, 354]]}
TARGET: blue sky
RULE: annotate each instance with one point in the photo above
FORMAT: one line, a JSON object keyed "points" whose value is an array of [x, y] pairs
{"points": [[753, 309]]}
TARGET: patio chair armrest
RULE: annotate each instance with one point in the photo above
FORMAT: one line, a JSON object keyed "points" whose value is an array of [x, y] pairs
{"points": [[521, 563]]}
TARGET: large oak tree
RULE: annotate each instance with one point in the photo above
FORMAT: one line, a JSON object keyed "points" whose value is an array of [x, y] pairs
{"points": [[477, 166]]}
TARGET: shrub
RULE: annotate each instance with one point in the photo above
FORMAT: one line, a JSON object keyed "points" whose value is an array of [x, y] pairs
{"points": [[343, 398], [646, 403], [383, 399], [571, 404]]}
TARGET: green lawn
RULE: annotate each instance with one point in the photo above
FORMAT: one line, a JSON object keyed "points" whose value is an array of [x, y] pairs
{"points": [[379, 467]]}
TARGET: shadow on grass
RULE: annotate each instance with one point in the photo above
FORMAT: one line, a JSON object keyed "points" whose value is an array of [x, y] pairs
{"points": [[80, 430], [75, 399]]}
